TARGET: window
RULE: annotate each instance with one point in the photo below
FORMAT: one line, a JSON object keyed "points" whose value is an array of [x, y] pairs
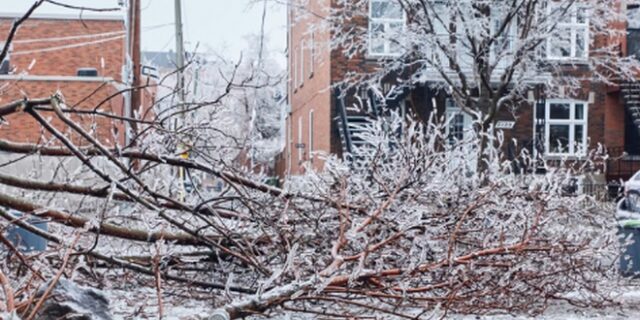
{"points": [[570, 39], [566, 127], [502, 49], [301, 64], [311, 134], [386, 22], [312, 54], [458, 122], [294, 71], [300, 145], [87, 72]]}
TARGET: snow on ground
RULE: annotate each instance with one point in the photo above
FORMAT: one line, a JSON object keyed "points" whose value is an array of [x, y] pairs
{"points": [[142, 304]]}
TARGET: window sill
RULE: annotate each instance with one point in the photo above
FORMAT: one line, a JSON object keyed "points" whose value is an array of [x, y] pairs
{"points": [[381, 56], [565, 157], [568, 61]]}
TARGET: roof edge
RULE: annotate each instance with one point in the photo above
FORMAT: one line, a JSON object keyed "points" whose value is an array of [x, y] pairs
{"points": [[63, 16]]}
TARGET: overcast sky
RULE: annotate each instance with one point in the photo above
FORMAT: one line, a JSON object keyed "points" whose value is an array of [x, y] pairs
{"points": [[217, 24]]}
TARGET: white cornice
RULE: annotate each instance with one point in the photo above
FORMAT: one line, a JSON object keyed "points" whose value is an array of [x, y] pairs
{"points": [[63, 16], [13, 77]]}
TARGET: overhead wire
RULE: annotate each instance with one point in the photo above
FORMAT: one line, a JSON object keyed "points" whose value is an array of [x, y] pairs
{"points": [[119, 35]]}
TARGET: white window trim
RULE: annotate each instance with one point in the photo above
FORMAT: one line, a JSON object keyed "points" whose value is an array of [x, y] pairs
{"points": [[387, 51], [312, 54], [512, 35], [301, 66], [571, 122], [574, 26], [452, 110], [300, 150], [311, 120], [295, 68], [289, 142]]}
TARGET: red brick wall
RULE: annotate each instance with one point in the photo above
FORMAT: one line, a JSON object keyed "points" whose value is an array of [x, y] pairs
{"points": [[21, 127], [47, 59], [65, 62], [605, 115], [314, 94]]}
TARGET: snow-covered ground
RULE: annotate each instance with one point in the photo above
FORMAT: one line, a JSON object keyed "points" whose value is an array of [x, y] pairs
{"points": [[143, 304]]}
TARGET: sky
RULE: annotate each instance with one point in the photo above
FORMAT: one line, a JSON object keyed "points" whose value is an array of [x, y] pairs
{"points": [[218, 25]]}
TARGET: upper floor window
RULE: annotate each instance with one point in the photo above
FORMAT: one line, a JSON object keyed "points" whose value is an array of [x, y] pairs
{"points": [[570, 39], [566, 127], [633, 30], [300, 68], [505, 31], [386, 22]]}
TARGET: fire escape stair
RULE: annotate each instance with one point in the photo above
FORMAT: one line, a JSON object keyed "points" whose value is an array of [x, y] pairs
{"points": [[631, 96], [351, 122], [350, 125]]}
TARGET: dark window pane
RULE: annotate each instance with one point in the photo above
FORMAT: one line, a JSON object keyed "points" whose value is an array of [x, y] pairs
{"points": [[578, 137], [386, 10], [579, 111], [560, 43], [456, 128], [559, 138], [559, 111], [582, 14]]}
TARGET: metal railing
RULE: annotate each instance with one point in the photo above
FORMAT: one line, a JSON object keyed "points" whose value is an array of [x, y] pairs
{"points": [[620, 165]]}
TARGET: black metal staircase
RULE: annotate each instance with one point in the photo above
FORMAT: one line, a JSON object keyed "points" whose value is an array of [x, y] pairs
{"points": [[630, 92], [350, 124], [372, 105]]}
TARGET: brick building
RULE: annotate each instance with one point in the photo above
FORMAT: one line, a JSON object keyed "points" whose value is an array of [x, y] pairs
{"points": [[319, 120], [82, 57]]}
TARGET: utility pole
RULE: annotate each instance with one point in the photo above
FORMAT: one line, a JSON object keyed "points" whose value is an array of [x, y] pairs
{"points": [[180, 53], [136, 100], [181, 90]]}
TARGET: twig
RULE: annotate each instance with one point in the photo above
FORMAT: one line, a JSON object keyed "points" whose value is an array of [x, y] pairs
{"points": [[55, 280], [8, 292]]}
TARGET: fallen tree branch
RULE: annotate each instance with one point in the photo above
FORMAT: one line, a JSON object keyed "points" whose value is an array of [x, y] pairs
{"points": [[104, 228]]}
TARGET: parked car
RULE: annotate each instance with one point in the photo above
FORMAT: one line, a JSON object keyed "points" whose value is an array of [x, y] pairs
{"points": [[632, 193]]}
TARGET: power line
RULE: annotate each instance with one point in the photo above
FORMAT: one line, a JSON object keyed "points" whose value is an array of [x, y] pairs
{"points": [[85, 36], [69, 46]]}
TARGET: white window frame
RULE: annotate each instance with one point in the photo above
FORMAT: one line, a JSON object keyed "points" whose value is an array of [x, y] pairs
{"points": [[311, 113], [301, 66], [512, 38], [299, 149], [294, 57], [289, 142], [312, 54], [451, 110], [575, 27], [572, 122], [386, 22]]}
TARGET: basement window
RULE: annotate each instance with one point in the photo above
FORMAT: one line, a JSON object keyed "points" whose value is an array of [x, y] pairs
{"points": [[87, 72]]}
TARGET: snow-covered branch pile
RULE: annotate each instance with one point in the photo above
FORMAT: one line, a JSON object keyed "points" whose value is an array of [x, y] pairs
{"points": [[406, 228]]}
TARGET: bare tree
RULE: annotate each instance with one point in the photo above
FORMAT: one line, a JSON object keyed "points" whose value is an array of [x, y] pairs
{"points": [[403, 231], [489, 56]]}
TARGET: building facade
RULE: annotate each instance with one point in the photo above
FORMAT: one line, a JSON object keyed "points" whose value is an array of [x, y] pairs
{"points": [[82, 57], [319, 119]]}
